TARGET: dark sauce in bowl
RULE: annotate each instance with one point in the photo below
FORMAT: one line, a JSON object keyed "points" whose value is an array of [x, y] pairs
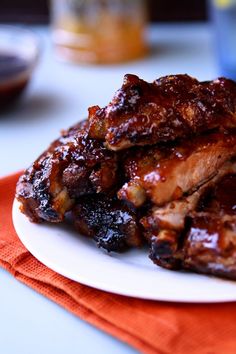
{"points": [[14, 76]]}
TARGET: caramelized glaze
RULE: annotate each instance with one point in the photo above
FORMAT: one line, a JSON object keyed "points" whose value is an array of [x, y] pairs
{"points": [[165, 173], [72, 166], [174, 106]]}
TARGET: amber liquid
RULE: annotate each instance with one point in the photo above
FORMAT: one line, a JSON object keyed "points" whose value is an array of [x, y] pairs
{"points": [[113, 40], [12, 78]]}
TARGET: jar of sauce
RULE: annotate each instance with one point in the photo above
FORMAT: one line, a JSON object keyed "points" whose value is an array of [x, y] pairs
{"points": [[18, 56], [99, 31]]}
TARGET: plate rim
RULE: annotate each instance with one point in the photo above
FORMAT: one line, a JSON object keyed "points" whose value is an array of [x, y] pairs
{"points": [[104, 286]]}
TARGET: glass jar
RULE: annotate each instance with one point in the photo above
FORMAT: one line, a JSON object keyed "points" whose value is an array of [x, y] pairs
{"points": [[99, 31], [223, 14]]}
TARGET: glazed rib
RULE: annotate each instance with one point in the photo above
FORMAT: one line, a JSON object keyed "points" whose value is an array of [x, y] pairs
{"points": [[172, 107], [167, 173], [110, 222], [73, 165], [210, 245], [172, 215], [205, 239]]}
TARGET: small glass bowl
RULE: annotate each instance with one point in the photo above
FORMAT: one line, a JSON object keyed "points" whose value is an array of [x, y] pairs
{"points": [[19, 51]]}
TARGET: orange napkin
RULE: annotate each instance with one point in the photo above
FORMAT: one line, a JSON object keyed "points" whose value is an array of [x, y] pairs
{"points": [[151, 327]]}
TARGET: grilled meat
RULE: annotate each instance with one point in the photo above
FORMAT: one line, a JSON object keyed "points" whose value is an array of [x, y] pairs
{"points": [[172, 215], [175, 106], [73, 165], [112, 223], [210, 245], [173, 183], [162, 174], [206, 240]]}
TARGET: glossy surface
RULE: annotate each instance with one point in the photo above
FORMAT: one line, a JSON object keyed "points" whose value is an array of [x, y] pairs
{"points": [[205, 242], [171, 107], [162, 174], [210, 245]]}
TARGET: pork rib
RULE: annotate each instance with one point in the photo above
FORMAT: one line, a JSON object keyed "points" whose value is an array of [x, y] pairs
{"points": [[110, 222], [72, 166], [167, 173], [175, 106], [204, 240], [210, 245]]}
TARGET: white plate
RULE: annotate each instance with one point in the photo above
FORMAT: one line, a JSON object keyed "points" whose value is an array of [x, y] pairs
{"points": [[132, 273]]}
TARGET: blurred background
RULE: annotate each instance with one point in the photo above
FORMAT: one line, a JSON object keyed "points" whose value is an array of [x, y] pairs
{"points": [[122, 21], [29, 11]]}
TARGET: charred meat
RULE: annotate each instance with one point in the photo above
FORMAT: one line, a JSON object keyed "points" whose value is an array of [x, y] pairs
{"points": [[74, 165], [112, 223]]}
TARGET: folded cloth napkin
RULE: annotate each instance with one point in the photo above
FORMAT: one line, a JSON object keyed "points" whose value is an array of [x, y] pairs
{"points": [[149, 326]]}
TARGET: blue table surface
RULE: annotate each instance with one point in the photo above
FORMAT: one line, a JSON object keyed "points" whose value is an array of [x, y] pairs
{"points": [[57, 97]]}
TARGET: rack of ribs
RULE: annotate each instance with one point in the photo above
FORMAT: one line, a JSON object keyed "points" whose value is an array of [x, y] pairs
{"points": [[156, 165]]}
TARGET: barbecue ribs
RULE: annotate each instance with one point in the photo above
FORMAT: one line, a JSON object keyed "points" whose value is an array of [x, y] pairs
{"points": [[175, 106], [157, 165], [165, 173], [73, 165], [205, 240], [112, 223]]}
